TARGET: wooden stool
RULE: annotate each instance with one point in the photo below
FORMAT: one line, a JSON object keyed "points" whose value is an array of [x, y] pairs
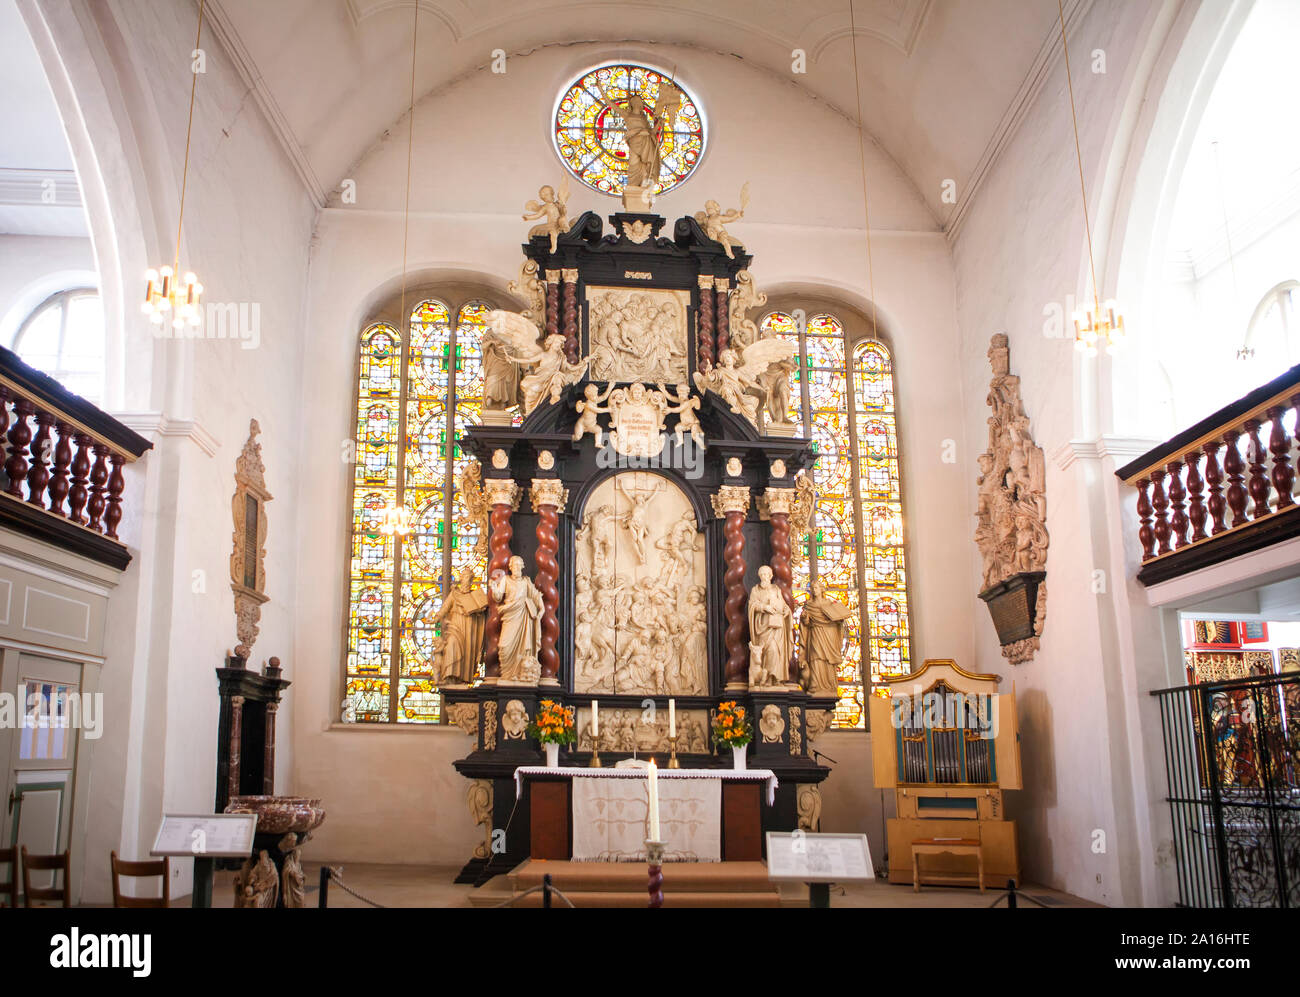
{"points": [[941, 846]]}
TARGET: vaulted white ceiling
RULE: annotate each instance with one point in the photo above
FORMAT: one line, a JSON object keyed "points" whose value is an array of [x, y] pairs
{"points": [[942, 82]]}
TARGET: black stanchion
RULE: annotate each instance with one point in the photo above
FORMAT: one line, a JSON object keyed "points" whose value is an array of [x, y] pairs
{"points": [[324, 886], [546, 891], [1011, 894]]}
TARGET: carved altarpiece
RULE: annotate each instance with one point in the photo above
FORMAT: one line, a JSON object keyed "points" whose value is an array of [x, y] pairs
{"points": [[647, 545]]}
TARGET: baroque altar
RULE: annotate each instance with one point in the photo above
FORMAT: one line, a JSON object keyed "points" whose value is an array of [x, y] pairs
{"points": [[639, 489]]}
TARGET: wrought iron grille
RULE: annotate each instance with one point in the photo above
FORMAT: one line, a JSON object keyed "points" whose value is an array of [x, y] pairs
{"points": [[1232, 757]]}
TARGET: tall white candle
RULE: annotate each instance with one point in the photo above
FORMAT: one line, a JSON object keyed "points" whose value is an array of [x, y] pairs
{"points": [[672, 718], [653, 790], [595, 718]]}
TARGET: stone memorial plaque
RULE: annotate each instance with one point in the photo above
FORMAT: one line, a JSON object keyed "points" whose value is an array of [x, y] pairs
{"points": [[205, 835], [804, 857]]}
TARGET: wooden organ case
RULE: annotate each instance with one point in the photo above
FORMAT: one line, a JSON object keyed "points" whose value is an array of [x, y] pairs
{"points": [[948, 744]]}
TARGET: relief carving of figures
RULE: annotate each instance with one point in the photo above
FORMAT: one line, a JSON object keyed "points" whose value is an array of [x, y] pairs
{"points": [[640, 617], [458, 648], [521, 623], [1011, 504], [628, 730], [736, 375], [637, 335], [745, 299], [821, 633], [771, 633], [713, 219], [553, 209], [531, 289], [256, 883], [549, 372]]}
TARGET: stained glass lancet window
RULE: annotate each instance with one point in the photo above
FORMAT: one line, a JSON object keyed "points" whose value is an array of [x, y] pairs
{"points": [[590, 137], [855, 539], [417, 393]]}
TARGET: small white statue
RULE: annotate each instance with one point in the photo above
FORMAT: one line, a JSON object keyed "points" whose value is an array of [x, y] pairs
{"points": [[552, 207], [521, 608], [588, 409], [713, 219], [771, 632], [686, 407]]}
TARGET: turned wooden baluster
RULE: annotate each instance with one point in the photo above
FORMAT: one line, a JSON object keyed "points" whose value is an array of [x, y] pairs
{"points": [[1216, 504], [78, 493], [704, 321], [59, 483], [39, 476], [98, 479], [116, 485], [1146, 534], [1279, 444], [1178, 521], [1196, 511], [1258, 470], [1234, 466], [1160, 503], [20, 434]]}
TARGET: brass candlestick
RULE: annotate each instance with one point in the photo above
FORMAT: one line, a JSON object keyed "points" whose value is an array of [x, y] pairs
{"points": [[595, 757], [672, 752]]}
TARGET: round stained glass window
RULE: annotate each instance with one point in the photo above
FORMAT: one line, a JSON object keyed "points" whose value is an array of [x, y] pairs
{"points": [[592, 131]]}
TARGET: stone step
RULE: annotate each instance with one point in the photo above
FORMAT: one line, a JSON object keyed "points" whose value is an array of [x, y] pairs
{"points": [[680, 878]]}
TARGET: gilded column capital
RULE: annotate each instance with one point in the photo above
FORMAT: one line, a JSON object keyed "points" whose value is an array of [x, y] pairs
{"points": [[501, 491], [722, 283], [779, 499], [570, 275], [552, 276], [706, 282], [548, 491], [730, 498]]}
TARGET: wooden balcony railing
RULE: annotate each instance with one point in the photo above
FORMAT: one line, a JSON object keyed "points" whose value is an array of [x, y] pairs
{"points": [[61, 467], [1222, 488]]}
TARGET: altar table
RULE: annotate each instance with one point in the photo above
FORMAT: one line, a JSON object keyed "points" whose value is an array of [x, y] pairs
{"points": [[600, 815]]}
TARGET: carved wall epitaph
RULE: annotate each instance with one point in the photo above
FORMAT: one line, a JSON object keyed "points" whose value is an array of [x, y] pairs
{"points": [[248, 558]]}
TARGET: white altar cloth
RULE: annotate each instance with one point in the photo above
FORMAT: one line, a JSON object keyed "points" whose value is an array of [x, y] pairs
{"points": [[611, 817]]}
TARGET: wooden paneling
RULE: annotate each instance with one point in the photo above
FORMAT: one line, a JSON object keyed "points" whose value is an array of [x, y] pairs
{"points": [[742, 827], [549, 822]]}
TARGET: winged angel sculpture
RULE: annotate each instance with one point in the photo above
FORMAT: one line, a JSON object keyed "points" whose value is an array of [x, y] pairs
{"points": [[740, 378], [549, 371]]}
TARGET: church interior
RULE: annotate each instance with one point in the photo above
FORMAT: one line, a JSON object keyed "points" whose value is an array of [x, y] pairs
{"points": [[675, 453]]}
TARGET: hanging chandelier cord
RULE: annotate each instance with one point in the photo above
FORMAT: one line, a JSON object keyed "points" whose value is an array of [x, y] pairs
{"points": [[862, 159], [410, 142], [189, 130], [1078, 155]]}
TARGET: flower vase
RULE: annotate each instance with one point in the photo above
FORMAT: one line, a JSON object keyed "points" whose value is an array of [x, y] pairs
{"points": [[552, 755], [738, 758]]}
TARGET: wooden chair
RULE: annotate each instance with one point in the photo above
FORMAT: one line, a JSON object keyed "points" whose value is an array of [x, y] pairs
{"points": [[121, 867], [47, 863], [9, 887]]}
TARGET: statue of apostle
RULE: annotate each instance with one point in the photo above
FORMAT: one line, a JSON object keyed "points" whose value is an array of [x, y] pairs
{"points": [[821, 626], [521, 622], [771, 632], [463, 616]]}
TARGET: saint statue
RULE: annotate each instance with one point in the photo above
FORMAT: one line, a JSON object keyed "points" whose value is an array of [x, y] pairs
{"points": [[771, 632], [521, 622], [642, 130], [821, 626], [463, 617]]}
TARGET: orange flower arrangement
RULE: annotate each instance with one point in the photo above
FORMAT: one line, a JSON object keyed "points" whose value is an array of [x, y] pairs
{"points": [[553, 724], [730, 728]]}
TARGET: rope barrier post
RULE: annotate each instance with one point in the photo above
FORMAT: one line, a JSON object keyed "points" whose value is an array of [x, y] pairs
{"points": [[324, 886], [1011, 894], [546, 891]]}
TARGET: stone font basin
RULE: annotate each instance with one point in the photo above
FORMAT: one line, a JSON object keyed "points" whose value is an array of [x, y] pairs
{"points": [[280, 814]]}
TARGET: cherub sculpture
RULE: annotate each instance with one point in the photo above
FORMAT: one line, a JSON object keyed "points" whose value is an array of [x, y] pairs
{"points": [[686, 407], [713, 219], [552, 207], [736, 376], [589, 408], [550, 371]]}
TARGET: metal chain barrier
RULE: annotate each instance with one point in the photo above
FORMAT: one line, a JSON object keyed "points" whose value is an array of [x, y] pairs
{"points": [[336, 876]]}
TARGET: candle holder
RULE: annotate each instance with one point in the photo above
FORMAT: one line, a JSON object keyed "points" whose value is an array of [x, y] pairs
{"points": [[672, 752], [654, 852], [595, 758]]}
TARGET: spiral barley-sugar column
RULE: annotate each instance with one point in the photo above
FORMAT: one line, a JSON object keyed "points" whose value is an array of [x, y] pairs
{"points": [[731, 503], [548, 496], [503, 496]]}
